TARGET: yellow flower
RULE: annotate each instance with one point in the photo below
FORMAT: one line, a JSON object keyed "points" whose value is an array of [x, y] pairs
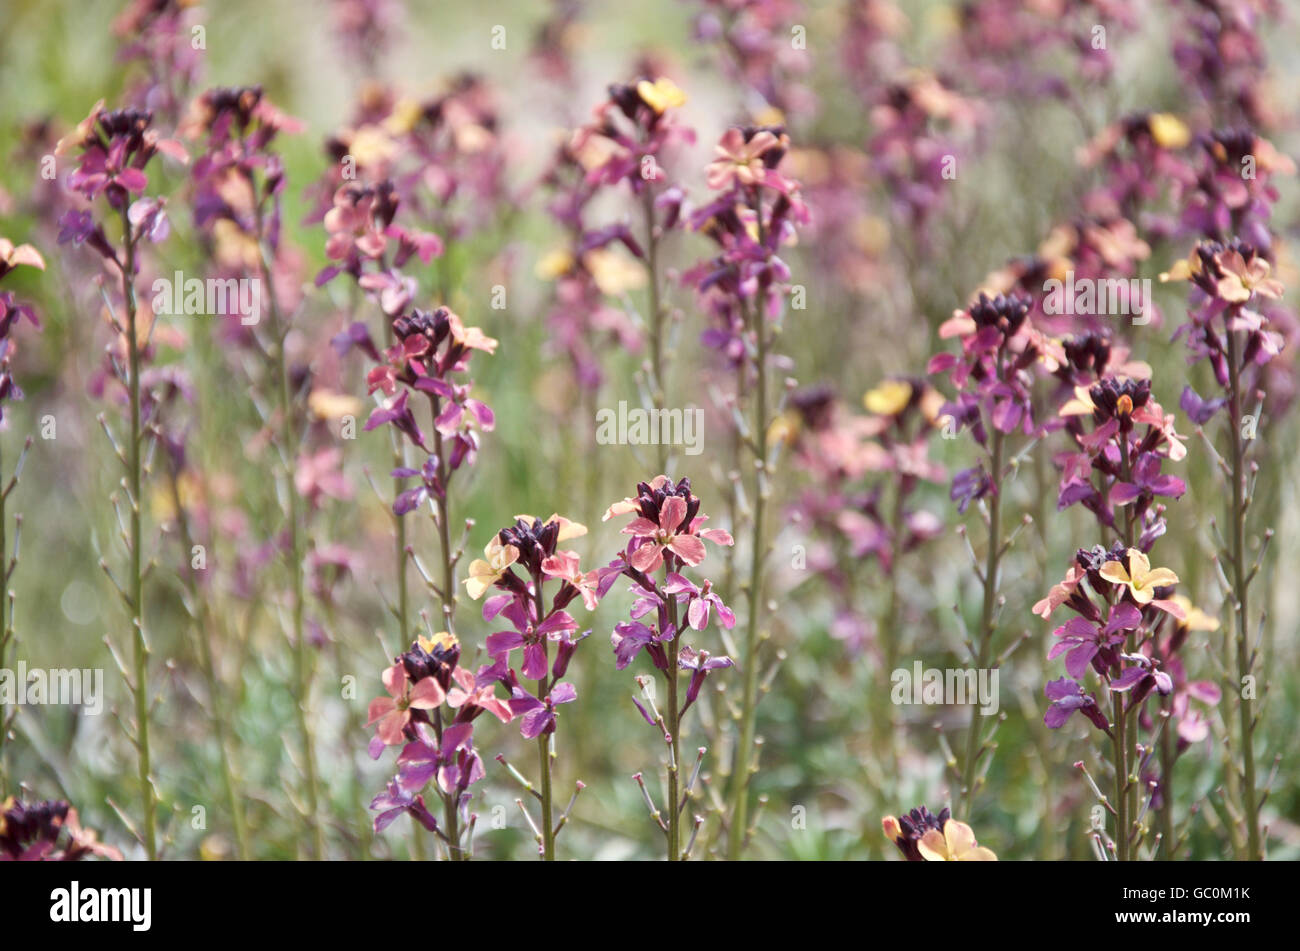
{"points": [[615, 274], [661, 94], [784, 429], [568, 529], [955, 844], [1194, 619], [889, 398], [371, 146], [406, 113], [1081, 405], [1141, 578], [1241, 279], [325, 404], [441, 641], [1169, 131], [554, 264], [12, 255], [483, 574]]}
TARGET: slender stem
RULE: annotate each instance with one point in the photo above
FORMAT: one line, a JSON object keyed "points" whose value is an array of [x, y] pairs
{"points": [[5, 633], [992, 559], [202, 620], [1167, 760], [544, 748], [1119, 752], [674, 726], [737, 832], [451, 817], [1126, 789], [301, 660], [141, 686], [658, 395], [1240, 586]]}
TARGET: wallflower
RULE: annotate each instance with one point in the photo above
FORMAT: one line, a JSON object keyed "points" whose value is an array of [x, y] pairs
{"points": [[660, 95], [906, 832], [889, 398], [955, 844], [393, 713], [484, 573], [1067, 697], [1139, 577], [47, 831], [539, 715], [667, 520], [395, 802], [698, 601], [742, 159]]}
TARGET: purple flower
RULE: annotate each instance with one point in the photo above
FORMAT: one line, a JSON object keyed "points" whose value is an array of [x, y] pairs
{"points": [[1067, 697], [1140, 678], [539, 715], [1199, 411], [430, 485], [699, 663], [453, 760], [1089, 645], [396, 411], [699, 600], [530, 636], [630, 637], [394, 802], [1147, 480], [969, 485]]}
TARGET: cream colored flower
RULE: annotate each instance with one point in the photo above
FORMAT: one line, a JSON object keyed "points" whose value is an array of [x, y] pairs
{"points": [[955, 844]]}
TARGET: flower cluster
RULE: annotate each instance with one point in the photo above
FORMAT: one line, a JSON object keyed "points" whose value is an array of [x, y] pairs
{"points": [[1118, 461], [753, 216], [431, 348], [430, 710], [667, 534], [625, 144], [46, 832], [999, 347], [924, 837], [160, 36], [922, 129], [12, 311], [531, 546], [113, 148], [441, 159], [1110, 637]]}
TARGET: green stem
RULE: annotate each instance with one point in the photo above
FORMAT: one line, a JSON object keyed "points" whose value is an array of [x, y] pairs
{"points": [[1240, 588], [5, 633], [674, 726], [992, 561], [658, 390], [1167, 759], [140, 688], [737, 832], [301, 661], [1119, 752], [544, 749], [202, 618]]}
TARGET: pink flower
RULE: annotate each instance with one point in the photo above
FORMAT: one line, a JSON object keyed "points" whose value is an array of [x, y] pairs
{"points": [[393, 713], [740, 161]]}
